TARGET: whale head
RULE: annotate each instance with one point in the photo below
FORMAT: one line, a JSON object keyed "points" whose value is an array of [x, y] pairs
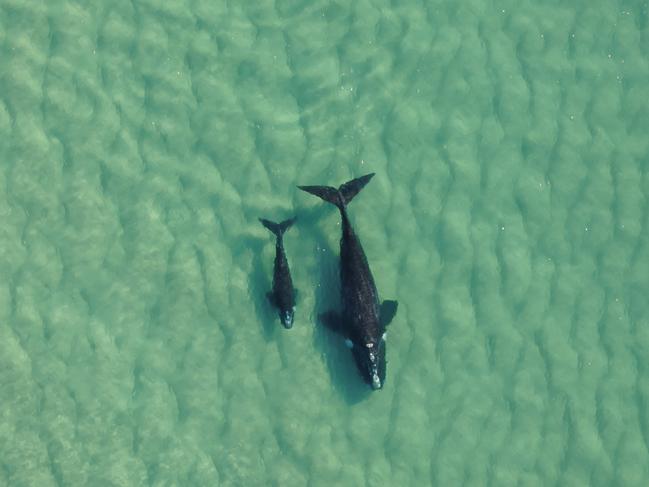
{"points": [[370, 360], [286, 317]]}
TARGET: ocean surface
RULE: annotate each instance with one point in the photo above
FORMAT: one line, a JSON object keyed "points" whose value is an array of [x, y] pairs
{"points": [[141, 140]]}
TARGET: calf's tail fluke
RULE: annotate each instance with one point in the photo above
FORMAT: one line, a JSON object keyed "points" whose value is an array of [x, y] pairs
{"points": [[278, 228], [342, 196]]}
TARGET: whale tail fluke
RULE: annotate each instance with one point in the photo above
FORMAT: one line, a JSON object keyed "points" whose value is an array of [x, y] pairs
{"points": [[278, 228], [342, 196]]}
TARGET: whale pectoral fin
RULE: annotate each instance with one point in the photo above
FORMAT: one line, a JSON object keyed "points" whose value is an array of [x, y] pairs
{"points": [[388, 310], [271, 297], [332, 320]]}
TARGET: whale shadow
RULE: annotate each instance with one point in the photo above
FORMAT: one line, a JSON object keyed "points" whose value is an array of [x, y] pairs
{"points": [[259, 284], [330, 345]]}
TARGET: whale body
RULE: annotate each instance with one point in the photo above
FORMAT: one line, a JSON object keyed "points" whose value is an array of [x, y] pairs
{"points": [[363, 319], [282, 295]]}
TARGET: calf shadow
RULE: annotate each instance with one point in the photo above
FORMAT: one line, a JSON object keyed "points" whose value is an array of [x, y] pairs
{"points": [[259, 284]]}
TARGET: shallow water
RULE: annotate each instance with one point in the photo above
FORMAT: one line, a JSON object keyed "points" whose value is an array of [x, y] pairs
{"points": [[140, 142]]}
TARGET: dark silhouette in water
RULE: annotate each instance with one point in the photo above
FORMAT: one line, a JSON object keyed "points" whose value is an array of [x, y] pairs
{"points": [[283, 294], [363, 320]]}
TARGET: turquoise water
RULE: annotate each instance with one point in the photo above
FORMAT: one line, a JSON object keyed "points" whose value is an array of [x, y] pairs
{"points": [[140, 142]]}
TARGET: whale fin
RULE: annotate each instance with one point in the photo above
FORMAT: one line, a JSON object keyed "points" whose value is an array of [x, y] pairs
{"points": [[342, 196], [332, 320], [278, 228], [327, 193], [353, 187], [387, 312], [271, 297]]}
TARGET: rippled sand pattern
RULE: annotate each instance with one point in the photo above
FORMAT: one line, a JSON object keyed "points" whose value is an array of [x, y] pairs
{"points": [[140, 141]]}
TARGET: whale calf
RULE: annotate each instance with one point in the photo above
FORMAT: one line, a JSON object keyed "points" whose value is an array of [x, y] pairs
{"points": [[282, 296], [362, 320]]}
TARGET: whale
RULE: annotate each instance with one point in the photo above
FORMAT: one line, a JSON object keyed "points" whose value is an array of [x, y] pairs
{"points": [[363, 319], [282, 295]]}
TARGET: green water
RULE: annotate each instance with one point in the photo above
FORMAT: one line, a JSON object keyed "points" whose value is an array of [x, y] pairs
{"points": [[139, 143]]}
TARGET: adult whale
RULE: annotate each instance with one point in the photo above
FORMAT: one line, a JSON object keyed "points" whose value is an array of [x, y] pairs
{"points": [[283, 294], [363, 320]]}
